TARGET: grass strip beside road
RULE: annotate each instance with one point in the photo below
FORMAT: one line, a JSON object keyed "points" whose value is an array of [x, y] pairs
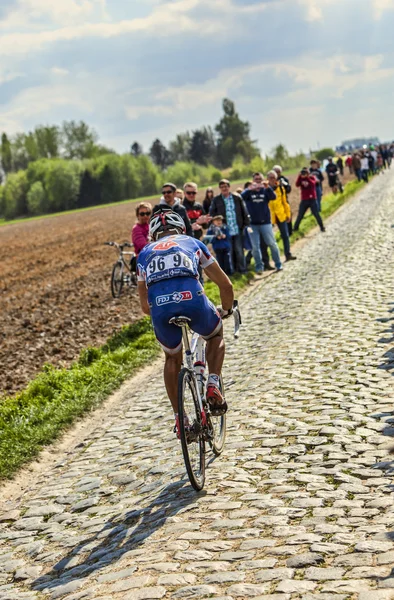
{"points": [[33, 418]]}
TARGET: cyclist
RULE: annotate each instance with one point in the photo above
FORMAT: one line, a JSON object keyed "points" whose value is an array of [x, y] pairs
{"points": [[168, 286]]}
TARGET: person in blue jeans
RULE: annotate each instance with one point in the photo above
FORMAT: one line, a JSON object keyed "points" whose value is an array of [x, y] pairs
{"points": [[256, 200], [221, 244], [232, 207]]}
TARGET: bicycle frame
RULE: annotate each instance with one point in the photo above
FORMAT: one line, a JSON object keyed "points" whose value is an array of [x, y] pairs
{"points": [[190, 350]]}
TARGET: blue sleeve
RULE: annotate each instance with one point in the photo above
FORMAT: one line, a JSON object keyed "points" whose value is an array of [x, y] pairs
{"points": [[203, 249], [270, 194]]}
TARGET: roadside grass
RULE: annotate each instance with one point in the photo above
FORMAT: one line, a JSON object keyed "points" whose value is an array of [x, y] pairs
{"points": [[33, 418]]}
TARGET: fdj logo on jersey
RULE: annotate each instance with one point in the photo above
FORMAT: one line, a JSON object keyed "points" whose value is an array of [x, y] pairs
{"points": [[174, 297]]}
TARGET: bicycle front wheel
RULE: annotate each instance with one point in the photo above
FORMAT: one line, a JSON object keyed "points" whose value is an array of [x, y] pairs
{"points": [[191, 430], [218, 428], [117, 280]]}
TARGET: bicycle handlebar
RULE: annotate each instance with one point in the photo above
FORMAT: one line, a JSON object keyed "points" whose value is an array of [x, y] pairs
{"points": [[119, 246], [237, 318]]}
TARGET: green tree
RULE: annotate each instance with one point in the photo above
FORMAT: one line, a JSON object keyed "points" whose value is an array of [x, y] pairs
{"points": [[36, 199], [131, 176], [280, 155], [79, 140], [108, 171], [179, 148], [6, 154], [20, 155], [203, 146], [62, 183], [136, 149], [324, 153], [14, 199], [159, 154], [48, 140], [233, 136], [149, 175]]}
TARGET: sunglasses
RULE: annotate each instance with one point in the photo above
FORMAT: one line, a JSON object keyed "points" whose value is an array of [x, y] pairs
{"points": [[191, 193], [165, 192], [144, 214]]}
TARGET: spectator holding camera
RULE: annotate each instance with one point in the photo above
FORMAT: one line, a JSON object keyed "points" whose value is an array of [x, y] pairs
{"points": [[280, 212], [307, 184], [257, 203], [221, 243]]}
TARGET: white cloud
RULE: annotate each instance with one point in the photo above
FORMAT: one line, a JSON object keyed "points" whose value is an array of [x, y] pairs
{"points": [[31, 12], [59, 71], [380, 6]]}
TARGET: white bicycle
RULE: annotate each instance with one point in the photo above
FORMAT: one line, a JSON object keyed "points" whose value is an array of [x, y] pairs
{"points": [[197, 424]]}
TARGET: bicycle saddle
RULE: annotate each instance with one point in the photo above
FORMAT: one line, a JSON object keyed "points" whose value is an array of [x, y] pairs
{"points": [[180, 321]]}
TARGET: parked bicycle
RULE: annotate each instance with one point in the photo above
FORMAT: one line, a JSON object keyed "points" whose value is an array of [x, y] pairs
{"points": [[198, 426], [124, 272]]}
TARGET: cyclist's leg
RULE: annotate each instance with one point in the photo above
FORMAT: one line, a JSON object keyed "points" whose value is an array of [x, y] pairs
{"points": [[169, 337], [206, 321], [215, 352], [172, 367]]}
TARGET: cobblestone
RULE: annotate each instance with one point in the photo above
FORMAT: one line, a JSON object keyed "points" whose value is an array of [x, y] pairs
{"points": [[300, 503]]}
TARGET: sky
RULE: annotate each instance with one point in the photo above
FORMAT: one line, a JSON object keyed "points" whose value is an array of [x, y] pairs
{"points": [[305, 73]]}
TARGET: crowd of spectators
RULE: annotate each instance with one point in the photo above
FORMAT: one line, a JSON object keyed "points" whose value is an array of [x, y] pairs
{"points": [[240, 224]]}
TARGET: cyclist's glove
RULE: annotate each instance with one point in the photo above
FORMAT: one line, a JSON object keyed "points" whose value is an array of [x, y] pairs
{"points": [[224, 314]]}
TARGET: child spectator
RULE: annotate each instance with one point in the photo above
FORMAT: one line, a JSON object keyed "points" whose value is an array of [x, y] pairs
{"points": [[221, 243]]}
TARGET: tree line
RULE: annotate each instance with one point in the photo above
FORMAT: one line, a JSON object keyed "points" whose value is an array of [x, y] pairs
{"points": [[58, 168]]}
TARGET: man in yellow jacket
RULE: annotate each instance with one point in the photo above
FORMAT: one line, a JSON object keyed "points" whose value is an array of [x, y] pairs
{"points": [[280, 212]]}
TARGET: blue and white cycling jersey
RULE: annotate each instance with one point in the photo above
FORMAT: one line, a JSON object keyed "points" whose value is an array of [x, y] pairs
{"points": [[171, 257]]}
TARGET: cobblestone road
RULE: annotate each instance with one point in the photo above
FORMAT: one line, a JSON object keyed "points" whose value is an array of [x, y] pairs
{"points": [[299, 506]]}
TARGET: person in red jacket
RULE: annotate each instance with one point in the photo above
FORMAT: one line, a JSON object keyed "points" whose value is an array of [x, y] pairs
{"points": [[307, 184], [140, 231]]}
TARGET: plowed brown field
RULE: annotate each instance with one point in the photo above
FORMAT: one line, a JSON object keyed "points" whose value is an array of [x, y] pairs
{"points": [[54, 289]]}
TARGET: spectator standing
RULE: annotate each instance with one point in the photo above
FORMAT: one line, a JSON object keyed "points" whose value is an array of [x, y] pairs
{"points": [[179, 195], [206, 203], [140, 231], [364, 167], [257, 202], [280, 212], [247, 242], [221, 243], [356, 163], [349, 163], [373, 165], [385, 156], [332, 174], [340, 165], [318, 175], [232, 207], [307, 183], [169, 201], [284, 182], [194, 209]]}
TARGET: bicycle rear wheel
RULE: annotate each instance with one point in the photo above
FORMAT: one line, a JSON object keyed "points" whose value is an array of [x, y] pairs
{"points": [[192, 440], [218, 428], [117, 279]]}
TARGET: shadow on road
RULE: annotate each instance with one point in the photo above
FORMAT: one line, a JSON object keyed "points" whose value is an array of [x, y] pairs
{"points": [[119, 535]]}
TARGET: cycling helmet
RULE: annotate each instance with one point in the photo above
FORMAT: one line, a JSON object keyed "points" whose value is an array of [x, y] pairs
{"points": [[167, 220]]}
